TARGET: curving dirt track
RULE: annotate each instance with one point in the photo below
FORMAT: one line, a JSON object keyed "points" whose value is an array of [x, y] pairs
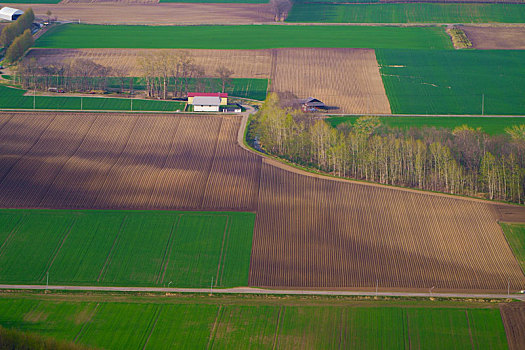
{"points": [[148, 13], [311, 232]]}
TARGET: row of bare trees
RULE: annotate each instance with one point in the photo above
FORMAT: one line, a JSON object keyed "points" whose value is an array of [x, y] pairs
{"points": [[463, 161], [164, 75]]}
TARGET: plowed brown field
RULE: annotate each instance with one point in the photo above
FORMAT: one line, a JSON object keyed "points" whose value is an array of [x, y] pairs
{"points": [[496, 37], [513, 316], [345, 78], [105, 161], [150, 13], [311, 232], [244, 63]]}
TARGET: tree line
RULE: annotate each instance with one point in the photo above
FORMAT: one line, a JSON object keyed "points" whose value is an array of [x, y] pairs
{"points": [[17, 37], [462, 161], [164, 75]]}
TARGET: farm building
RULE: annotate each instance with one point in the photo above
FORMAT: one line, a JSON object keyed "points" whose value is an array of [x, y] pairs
{"points": [[10, 14], [312, 105], [206, 103], [222, 96]]}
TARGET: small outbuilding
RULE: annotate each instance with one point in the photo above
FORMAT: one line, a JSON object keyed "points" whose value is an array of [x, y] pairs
{"points": [[206, 103], [10, 14], [222, 96], [312, 105]]}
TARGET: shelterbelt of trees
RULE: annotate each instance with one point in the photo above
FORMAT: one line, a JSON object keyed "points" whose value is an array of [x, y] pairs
{"points": [[462, 161], [17, 37]]}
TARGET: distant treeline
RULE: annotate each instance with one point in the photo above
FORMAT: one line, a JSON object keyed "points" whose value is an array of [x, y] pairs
{"points": [[17, 37], [464, 161]]}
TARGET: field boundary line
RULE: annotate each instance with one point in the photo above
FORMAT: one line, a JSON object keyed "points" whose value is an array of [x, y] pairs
{"points": [[278, 327], [156, 319], [167, 252], [29, 150], [57, 249], [104, 270], [226, 231], [261, 291], [211, 339], [86, 323], [13, 232]]}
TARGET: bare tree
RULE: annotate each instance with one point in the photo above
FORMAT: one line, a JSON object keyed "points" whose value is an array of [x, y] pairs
{"points": [[225, 76], [280, 9]]}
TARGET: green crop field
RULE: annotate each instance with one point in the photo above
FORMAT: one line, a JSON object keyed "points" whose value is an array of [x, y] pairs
{"points": [[454, 82], [14, 99], [515, 234], [139, 248], [489, 125], [198, 323], [407, 13], [243, 37]]}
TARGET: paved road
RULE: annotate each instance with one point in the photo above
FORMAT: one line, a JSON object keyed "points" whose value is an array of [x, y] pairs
{"points": [[248, 290]]}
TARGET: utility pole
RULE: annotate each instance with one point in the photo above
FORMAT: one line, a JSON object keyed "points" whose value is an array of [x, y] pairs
{"points": [[80, 102], [211, 287], [377, 285], [131, 104], [482, 104], [34, 98], [508, 287], [47, 280]]}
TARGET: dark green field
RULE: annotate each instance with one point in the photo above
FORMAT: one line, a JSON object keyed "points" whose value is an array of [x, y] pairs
{"points": [[126, 248], [14, 99], [242, 37], [454, 82], [407, 13], [241, 323], [489, 125], [515, 234]]}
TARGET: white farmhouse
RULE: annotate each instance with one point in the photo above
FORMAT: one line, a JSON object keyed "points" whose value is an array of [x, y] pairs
{"points": [[206, 103], [10, 14]]}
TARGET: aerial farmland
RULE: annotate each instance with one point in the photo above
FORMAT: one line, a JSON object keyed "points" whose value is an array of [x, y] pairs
{"points": [[357, 180]]}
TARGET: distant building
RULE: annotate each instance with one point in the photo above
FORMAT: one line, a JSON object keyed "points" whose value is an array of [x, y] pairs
{"points": [[10, 14], [312, 105], [223, 96], [206, 103]]}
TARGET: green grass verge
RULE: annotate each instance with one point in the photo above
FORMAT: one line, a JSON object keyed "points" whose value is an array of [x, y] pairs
{"points": [[11, 98], [407, 13], [515, 234], [194, 324], [126, 248], [489, 125], [243, 37], [453, 82]]}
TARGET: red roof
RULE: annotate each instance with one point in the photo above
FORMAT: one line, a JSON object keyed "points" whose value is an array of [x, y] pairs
{"points": [[218, 94]]}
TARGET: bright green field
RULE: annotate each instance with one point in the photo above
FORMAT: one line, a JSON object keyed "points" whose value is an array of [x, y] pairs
{"points": [[243, 37], [126, 248], [515, 234], [492, 126], [453, 82], [407, 13], [199, 323], [14, 99]]}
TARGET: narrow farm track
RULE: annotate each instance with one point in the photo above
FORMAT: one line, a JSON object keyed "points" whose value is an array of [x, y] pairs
{"points": [[310, 231]]}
